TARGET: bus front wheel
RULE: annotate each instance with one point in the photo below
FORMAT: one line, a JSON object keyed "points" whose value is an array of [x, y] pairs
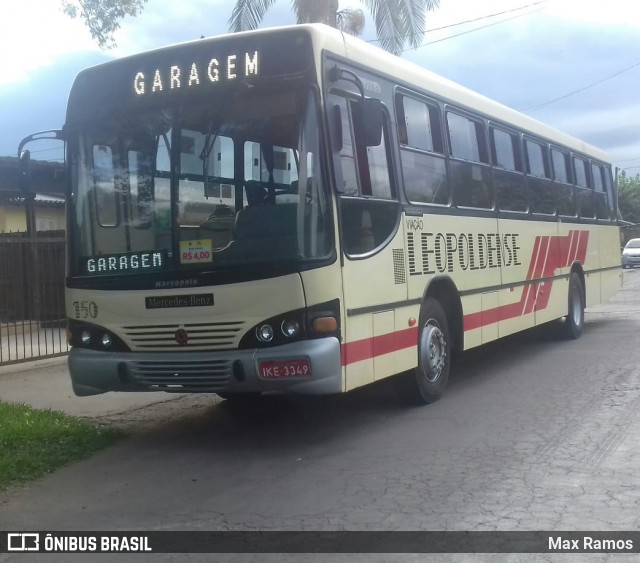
{"points": [[574, 321], [427, 382]]}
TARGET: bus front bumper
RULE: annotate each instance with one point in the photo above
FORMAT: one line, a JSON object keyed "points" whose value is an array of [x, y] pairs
{"points": [[230, 371]]}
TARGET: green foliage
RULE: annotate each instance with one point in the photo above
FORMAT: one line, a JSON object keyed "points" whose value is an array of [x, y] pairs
{"points": [[102, 17], [629, 197], [397, 21], [36, 442]]}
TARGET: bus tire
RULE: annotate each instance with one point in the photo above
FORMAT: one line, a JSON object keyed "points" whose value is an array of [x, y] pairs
{"points": [[426, 383], [574, 321]]}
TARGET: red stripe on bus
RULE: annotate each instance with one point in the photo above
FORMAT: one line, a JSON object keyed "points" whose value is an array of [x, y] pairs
{"points": [[550, 253], [368, 348]]}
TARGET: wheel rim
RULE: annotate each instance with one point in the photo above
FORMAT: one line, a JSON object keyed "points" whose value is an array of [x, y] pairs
{"points": [[433, 351], [576, 308]]}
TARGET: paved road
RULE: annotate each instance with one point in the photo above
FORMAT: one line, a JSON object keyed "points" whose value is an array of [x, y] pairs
{"points": [[533, 433]]}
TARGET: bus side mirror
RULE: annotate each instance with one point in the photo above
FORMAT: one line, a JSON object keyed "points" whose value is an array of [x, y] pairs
{"points": [[24, 171], [371, 121]]}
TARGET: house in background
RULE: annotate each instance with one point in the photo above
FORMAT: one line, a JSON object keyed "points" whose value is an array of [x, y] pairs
{"points": [[47, 179]]}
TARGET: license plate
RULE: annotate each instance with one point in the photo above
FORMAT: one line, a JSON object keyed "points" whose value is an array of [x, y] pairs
{"points": [[279, 369]]}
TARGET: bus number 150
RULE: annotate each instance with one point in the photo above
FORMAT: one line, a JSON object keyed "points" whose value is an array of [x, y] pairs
{"points": [[85, 309]]}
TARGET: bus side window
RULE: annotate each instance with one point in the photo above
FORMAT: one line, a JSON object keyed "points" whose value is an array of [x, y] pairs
{"points": [[349, 184], [509, 182], [470, 173], [583, 189], [565, 197], [368, 207], [422, 154], [373, 161], [600, 194], [539, 178]]}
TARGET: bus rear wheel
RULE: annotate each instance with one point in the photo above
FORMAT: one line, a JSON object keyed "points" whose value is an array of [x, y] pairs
{"points": [[427, 382], [574, 321]]}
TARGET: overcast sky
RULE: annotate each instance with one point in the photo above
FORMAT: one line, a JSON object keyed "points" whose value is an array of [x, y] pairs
{"points": [[574, 64]]}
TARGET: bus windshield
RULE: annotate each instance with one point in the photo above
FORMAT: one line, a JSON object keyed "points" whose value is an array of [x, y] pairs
{"points": [[231, 183]]}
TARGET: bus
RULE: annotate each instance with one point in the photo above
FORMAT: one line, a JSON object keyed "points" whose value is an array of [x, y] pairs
{"points": [[294, 210]]}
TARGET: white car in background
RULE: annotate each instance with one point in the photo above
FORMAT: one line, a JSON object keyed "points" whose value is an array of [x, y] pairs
{"points": [[631, 253]]}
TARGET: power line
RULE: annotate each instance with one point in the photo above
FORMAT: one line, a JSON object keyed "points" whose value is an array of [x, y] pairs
{"points": [[475, 29], [487, 16], [480, 18], [583, 88]]}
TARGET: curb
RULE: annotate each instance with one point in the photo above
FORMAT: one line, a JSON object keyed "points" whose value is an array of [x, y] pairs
{"points": [[32, 364]]}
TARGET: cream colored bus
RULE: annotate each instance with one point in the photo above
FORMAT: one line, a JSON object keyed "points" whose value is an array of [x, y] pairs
{"points": [[293, 210]]}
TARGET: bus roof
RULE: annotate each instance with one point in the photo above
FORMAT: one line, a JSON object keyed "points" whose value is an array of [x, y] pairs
{"points": [[412, 75], [99, 84]]}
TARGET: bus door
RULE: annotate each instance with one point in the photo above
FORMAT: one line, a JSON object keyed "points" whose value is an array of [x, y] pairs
{"points": [[371, 233]]}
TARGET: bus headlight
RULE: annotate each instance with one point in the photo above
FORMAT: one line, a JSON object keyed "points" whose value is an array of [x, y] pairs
{"points": [[106, 340], [85, 337], [94, 337], [265, 333], [290, 328]]}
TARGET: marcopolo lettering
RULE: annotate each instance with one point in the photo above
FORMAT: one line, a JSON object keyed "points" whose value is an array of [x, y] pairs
{"points": [[437, 253]]}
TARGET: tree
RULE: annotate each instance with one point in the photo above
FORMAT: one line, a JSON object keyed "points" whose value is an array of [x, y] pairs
{"points": [[397, 21], [102, 17], [629, 197]]}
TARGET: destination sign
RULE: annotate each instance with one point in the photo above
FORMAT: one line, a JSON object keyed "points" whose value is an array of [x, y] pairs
{"points": [[191, 71], [132, 262], [194, 74]]}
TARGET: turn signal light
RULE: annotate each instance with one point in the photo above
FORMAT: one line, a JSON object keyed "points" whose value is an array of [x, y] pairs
{"points": [[325, 324]]}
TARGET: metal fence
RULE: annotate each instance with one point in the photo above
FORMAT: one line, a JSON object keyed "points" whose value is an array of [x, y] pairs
{"points": [[32, 313]]}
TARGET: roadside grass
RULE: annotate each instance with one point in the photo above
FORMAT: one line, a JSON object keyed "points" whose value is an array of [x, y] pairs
{"points": [[36, 442]]}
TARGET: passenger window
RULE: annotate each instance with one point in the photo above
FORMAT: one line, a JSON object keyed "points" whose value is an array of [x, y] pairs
{"points": [[466, 138], [560, 166], [609, 191], [583, 192], [349, 177], [419, 125], [600, 194], [379, 178], [423, 166], [368, 208], [509, 183], [541, 195], [597, 173], [471, 183], [536, 160], [580, 167], [504, 147], [425, 178], [565, 197]]}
